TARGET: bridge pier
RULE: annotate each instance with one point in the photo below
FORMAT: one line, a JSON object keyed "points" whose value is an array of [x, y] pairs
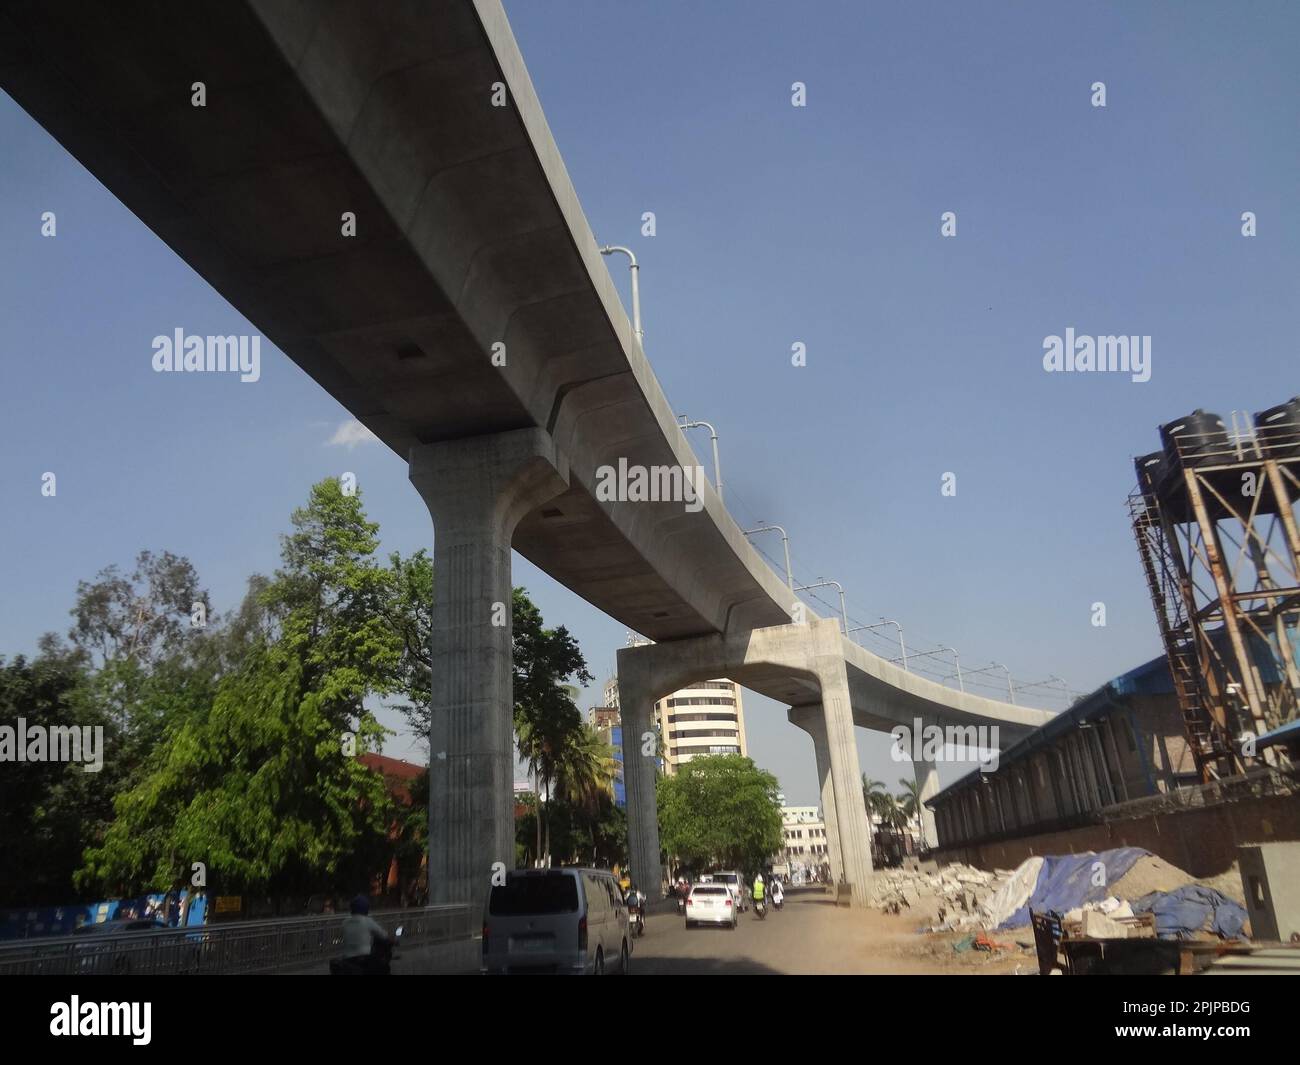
{"points": [[927, 786], [811, 652], [812, 720], [636, 699], [477, 490]]}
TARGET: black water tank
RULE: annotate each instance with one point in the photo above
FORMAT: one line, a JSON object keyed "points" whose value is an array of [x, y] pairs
{"points": [[1278, 429], [1150, 471], [1199, 438]]}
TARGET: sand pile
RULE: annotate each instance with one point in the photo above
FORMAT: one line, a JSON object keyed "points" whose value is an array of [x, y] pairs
{"points": [[1148, 874], [1151, 873]]}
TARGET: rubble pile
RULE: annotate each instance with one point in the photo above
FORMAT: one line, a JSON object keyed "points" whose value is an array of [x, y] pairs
{"points": [[952, 897]]}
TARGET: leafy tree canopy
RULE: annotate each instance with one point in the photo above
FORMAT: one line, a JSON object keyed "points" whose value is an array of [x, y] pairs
{"points": [[720, 811]]}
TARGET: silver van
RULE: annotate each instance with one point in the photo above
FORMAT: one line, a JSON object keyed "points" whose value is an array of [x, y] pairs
{"points": [[556, 921]]}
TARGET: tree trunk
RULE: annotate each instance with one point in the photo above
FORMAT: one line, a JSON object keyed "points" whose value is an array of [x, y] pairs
{"points": [[537, 816]]}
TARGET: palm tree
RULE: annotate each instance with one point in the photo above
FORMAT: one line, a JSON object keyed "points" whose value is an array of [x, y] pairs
{"points": [[589, 770], [877, 799], [910, 799], [535, 748], [585, 771], [890, 813]]}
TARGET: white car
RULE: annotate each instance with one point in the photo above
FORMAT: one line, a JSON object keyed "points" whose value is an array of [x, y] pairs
{"points": [[734, 882], [711, 904]]}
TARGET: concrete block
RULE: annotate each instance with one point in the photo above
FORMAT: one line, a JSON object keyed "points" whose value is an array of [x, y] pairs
{"points": [[1270, 878]]}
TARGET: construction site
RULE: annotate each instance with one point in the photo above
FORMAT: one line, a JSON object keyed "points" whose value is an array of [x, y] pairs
{"points": [[1154, 826]]}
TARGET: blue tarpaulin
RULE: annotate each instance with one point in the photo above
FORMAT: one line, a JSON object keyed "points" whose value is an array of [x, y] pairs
{"points": [[1186, 910], [1070, 880]]}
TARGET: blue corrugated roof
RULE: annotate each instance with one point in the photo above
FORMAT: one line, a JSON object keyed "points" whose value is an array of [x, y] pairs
{"points": [[1287, 733], [1150, 678]]}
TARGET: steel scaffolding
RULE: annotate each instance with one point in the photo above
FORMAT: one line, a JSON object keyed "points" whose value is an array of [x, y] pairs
{"points": [[1214, 515]]}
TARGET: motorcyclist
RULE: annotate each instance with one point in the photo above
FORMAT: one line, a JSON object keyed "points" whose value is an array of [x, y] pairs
{"points": [[758, 889], [778, 893], [635, 903], [360, 932]]}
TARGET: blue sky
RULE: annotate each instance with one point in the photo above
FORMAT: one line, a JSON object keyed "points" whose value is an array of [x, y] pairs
{"points": [[775, 225]]}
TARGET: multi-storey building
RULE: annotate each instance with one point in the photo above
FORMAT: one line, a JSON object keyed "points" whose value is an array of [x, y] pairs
{"points": [[804, 836], [705, 718]]}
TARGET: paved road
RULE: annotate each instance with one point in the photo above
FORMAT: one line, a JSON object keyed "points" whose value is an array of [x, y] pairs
{"points": [[809, 935]]}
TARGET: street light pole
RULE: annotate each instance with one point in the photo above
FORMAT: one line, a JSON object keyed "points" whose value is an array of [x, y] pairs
{"points": [[687, 423], [823, 583], [765, 526], [610, 249]]}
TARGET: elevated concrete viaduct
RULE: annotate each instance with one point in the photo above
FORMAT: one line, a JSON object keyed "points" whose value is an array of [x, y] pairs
{"points": [[472, 325]]}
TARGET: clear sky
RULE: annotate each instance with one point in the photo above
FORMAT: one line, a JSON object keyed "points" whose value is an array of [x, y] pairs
{"points": [[775, 225]]}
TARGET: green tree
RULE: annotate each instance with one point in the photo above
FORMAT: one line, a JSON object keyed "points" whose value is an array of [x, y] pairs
{"points": [[48, 809], [878, 800], [719, 810], [909, 800], [585, 777], [144, 617], [260, 784]]}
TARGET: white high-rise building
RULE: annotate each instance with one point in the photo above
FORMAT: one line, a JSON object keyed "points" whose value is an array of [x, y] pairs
{"points": [[705, 718]]}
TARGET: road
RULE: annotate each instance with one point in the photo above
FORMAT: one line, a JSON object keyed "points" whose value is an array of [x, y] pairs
{"points": [[810, 935]]}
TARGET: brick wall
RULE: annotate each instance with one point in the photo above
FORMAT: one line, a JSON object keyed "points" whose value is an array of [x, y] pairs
{"points": [[1201, 841]]}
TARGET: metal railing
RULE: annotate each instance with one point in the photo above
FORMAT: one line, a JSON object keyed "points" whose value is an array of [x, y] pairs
{"points": [[238, 947]]}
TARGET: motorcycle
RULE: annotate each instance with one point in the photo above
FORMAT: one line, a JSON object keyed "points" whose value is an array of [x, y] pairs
{"points": [[635, 917], [778, 901], [760, 909], [377, 963]]}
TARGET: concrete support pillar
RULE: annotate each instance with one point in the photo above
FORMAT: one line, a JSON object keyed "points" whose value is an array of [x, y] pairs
{"points": [[846, 772], [812, 720], [477, 490], [636, 699], [927, 787]]}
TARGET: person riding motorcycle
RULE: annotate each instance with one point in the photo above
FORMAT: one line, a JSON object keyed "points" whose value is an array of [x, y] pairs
{"points": [[360, 933], [778, 893], [758, 888], [635, 902]]}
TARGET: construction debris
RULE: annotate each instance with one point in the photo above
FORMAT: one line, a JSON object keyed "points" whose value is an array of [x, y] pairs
{"points": [[1126, 893], [951, 898]]}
